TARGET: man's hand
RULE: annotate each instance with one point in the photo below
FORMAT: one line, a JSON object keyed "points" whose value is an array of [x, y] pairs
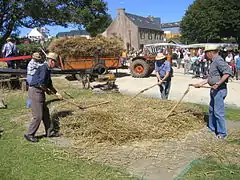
{"points": [[59, 96], [215, 86], [195, 85], [159, 82]]}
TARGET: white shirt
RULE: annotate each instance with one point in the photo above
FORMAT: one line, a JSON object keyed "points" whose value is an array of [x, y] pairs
{"points": [[228, 59]]}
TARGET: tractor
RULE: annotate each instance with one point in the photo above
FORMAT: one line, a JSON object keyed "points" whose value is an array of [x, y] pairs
{"points": [[143, 64]]}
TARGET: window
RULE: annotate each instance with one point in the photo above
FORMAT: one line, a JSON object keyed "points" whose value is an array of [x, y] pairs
{"points": [[156, 36], [142, 34], [150, 35]]}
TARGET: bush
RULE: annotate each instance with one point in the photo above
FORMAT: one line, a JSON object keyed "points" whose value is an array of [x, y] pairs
{"points": [[28, 49]]}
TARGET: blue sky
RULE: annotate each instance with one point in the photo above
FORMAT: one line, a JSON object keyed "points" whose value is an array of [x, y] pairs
{"points": [[167, 10]]}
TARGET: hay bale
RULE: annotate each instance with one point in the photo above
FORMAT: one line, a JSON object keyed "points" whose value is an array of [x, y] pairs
{"points": [[119, 122], [83, 47]]}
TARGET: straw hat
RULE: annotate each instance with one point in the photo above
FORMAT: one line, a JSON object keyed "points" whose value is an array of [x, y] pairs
{"points": [[160, 56], [52, 56], [36, 56], [211, 47], [9, 39]]}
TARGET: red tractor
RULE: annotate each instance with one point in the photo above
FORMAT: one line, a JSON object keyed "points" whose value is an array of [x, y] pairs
{"points": [[143, 65]]}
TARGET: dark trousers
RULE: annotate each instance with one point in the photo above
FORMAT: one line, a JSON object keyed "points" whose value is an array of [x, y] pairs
{"points": [[40, 111], [237, 73], [203, 68], [165, 89]]}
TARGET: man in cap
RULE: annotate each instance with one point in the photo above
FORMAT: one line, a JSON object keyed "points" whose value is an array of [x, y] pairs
{"points": [[219, 73], [9, 50], [33, 65], [163, 73], [41, 83]]}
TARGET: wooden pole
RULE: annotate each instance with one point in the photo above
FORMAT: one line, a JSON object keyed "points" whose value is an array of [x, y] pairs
{"points": [[185, 93], [142, 91], [174, 107]]}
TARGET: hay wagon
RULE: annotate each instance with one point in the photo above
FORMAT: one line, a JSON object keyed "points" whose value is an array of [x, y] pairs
{"points": [[88, 69], [84, 69]]}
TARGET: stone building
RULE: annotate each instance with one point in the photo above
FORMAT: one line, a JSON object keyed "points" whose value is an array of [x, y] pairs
{"points": [[136, 31], [171, 30]]}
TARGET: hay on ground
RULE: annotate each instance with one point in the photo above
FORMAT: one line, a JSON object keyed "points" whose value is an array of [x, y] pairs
{"points": [[83, 47], [121, 122]]}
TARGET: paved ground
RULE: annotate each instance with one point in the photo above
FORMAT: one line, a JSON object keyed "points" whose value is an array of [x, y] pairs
{"points": [[129, 85]]}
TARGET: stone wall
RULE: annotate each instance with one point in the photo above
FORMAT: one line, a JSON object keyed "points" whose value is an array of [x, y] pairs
{"points": [[124, 28], [147, 36]]}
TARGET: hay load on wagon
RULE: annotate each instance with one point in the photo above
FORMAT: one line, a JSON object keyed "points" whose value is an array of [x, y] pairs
{"points": [[83, 47], [119, 122]]}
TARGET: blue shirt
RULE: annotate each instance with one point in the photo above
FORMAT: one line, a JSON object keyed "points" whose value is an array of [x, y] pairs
{"points": [[193, 59], [238, 63], [217, 69], [162, 68], [42, 77]]}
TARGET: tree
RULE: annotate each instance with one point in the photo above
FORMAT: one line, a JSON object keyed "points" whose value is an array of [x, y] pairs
{"points": [[91, 14], [211, 21]]}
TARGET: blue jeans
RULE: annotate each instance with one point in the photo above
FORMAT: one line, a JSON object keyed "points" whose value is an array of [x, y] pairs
{"points": [[165, 89], [216, 121], [29, 79]]}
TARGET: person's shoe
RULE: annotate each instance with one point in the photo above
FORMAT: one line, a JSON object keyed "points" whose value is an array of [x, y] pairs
{"points": [[221, 137], [30, 138]]}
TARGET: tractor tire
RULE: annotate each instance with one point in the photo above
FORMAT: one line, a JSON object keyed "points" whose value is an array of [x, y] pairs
{"points": [[139, 68], [151, 69]]}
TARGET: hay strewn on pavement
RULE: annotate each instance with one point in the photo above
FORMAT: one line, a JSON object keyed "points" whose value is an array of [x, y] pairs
{"points": [[83, 47], [121, 121]]}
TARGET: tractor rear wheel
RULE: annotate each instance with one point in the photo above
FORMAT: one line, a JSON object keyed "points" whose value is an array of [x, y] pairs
{"points": [[139, 68], [151, 68]]}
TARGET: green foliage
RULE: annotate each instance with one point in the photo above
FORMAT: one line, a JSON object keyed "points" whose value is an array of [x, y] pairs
{"points": [[36, 13], [28, 49], [211, 20]]}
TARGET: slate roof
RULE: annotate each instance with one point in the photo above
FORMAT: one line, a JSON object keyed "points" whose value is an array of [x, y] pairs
{"points": [[72, 33], [145, 22], [171, 25]]}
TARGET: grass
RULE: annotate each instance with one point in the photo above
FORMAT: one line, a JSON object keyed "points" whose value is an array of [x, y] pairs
{"points": [[231, 113], [208, 169], [20, 159]]}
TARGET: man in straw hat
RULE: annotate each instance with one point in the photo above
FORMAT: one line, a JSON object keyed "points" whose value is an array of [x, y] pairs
{"points": [[41, 83], [163, 70], [219, 73], [9, 50], [33, 65]]}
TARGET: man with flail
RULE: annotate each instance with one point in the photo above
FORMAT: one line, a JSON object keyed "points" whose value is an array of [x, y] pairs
{"points": [[163, 73], [41, 83], [219, 73]]}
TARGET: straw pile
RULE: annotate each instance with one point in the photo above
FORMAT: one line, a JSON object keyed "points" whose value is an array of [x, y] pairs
{"points": [[121, 122], [83, 47]]}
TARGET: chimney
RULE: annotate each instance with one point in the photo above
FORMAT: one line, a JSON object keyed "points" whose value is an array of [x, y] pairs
{"points": [[121, 11]]}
